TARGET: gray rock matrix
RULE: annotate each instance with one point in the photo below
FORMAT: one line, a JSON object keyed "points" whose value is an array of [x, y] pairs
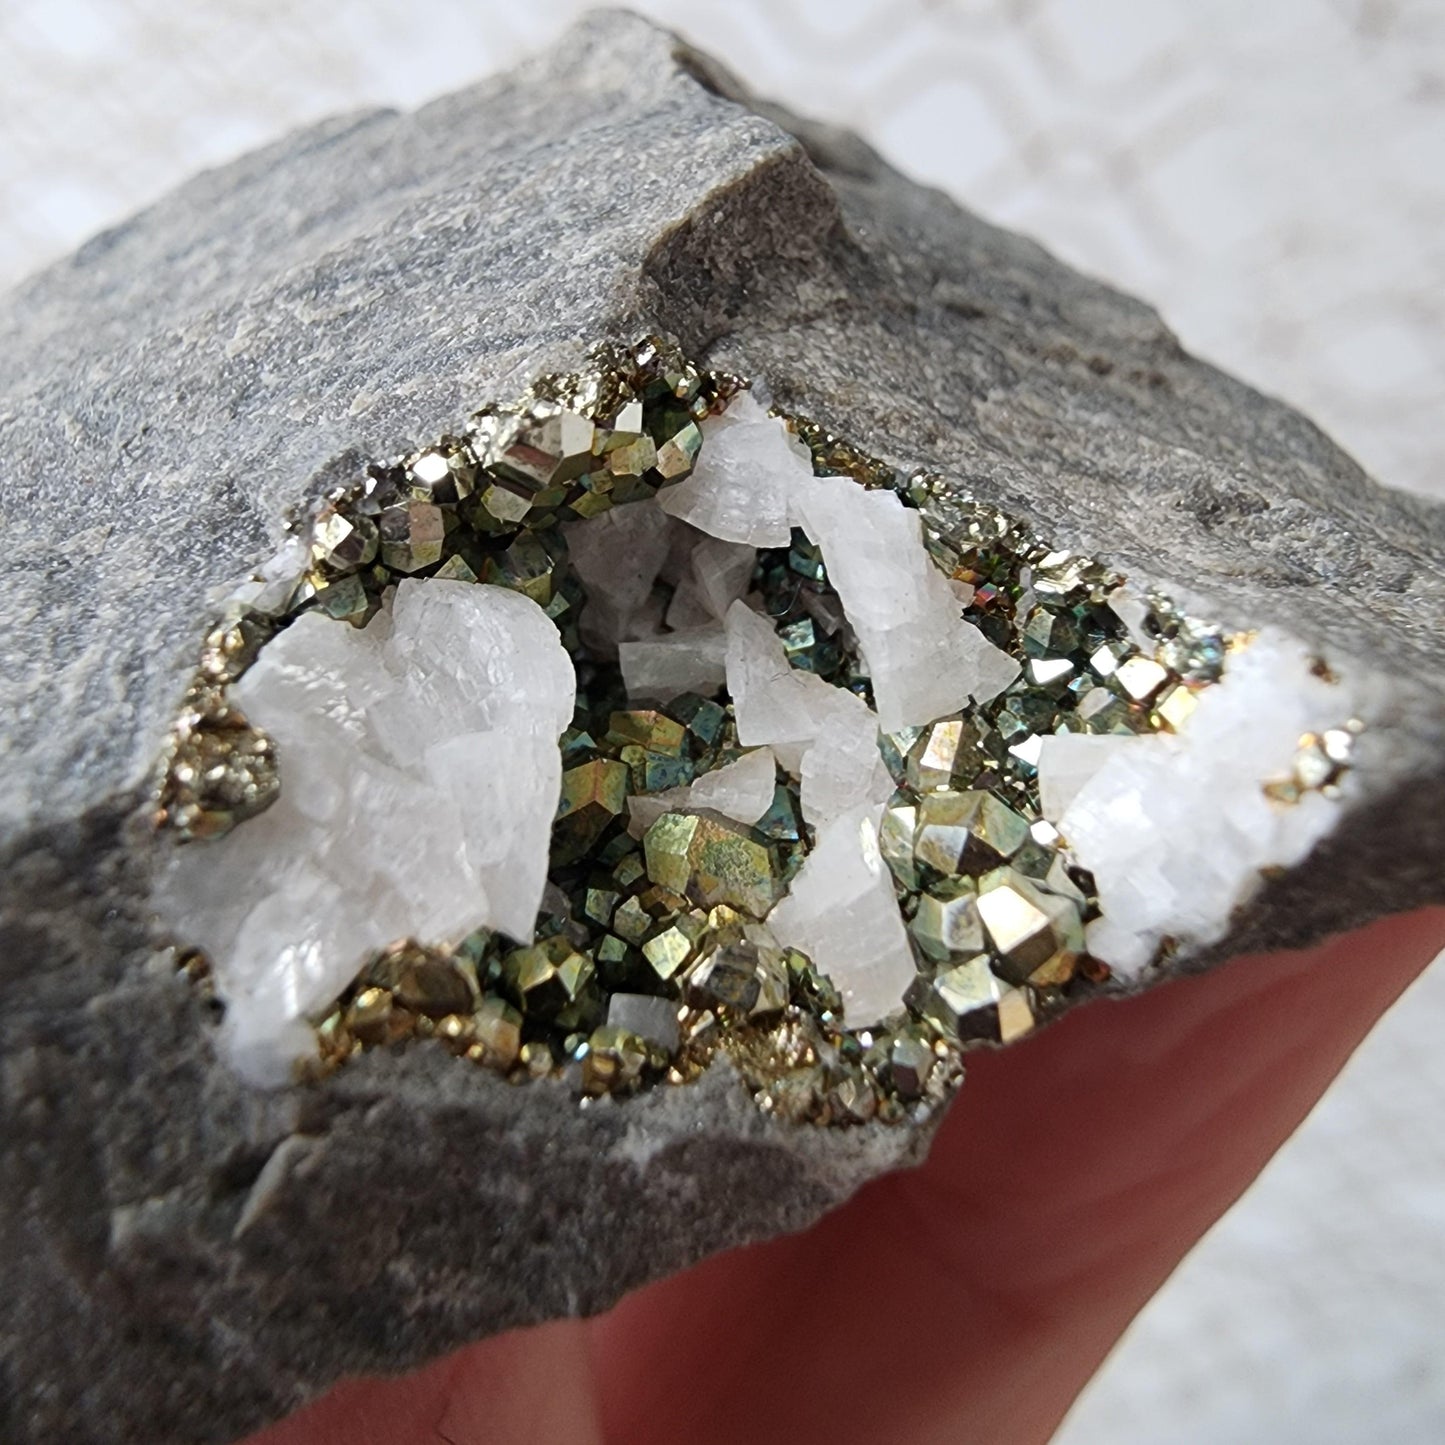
{"points": [[182, 1259]]}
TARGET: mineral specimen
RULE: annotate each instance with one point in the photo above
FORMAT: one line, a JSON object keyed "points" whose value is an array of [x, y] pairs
{"points": [[421, 773], [997, 832], [1100, 557]]}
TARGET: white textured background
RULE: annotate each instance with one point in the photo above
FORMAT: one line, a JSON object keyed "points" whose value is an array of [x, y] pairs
{"points": [[1271, 173]]}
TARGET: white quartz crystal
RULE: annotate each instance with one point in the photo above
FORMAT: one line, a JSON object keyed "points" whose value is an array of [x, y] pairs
{"points": [[721, 573], [686, 611], [656, 669], [1175, 828], [1131, 609], [741, 790], [420, 774], [843, 768], [924, 658], [708, 577], [774, 703], [841, 912], [617, 557], [270, 588], [739, 490], [1066, 762], [651, 1018]]}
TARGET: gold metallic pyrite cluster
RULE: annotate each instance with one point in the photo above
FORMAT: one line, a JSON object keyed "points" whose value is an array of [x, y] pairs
{"points": [[642, 969]]}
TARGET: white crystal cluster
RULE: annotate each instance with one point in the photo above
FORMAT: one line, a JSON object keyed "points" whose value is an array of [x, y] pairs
{"points": [[1175, 828], [420, 774], [840, 910], [753, 484], [619, 557]]}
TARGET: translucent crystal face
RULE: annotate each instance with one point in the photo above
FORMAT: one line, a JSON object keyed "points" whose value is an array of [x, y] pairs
{"points": [[639, 724]]}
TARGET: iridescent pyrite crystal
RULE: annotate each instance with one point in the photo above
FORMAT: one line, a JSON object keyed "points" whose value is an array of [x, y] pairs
{"points": [[651, 954]]}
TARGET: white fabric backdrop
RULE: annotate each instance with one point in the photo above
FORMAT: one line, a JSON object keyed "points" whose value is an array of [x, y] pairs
{"points": [[1271, 175]]}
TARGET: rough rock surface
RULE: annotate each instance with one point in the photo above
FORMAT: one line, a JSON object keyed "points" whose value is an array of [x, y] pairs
{"points": [[182, 1259]]}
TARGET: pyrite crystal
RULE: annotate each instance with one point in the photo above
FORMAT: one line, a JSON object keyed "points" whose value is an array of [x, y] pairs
{"points": [[185, 1256]]}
